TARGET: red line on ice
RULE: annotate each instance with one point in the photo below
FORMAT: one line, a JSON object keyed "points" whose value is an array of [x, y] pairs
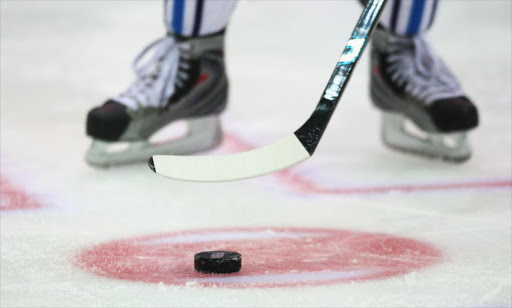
{"points": [[304, 185]]}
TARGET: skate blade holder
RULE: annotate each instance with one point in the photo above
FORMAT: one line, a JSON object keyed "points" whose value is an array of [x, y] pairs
{"points": [[180, 137], [401, 133]]}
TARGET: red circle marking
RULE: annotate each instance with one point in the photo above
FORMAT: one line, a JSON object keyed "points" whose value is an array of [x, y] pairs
{"points": [[277, 257]]}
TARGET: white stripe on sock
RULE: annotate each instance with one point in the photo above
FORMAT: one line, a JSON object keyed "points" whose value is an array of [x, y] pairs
{"points": [[189, 17], [216, 15], [427, 14], [403, 16]]}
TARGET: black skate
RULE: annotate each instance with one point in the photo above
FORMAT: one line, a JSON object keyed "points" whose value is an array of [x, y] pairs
{"points": [[182, 79], [410, 82]]}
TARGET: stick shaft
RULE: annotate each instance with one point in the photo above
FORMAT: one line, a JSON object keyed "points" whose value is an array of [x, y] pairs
{"points": [[311, 132]]}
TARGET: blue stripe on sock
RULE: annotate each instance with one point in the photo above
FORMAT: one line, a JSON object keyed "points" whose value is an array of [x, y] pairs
{"points": [[414, 24], [178, 11]]}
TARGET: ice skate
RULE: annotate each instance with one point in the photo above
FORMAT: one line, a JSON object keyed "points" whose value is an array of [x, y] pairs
{"points": [[176, 79], [424, 108]]}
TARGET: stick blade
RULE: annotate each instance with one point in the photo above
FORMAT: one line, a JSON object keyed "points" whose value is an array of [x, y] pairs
{"points": [[218, 168]]}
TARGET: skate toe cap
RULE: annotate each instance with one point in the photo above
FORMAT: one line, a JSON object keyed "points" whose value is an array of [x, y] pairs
{"points": [[454, 114], [107, 122]]}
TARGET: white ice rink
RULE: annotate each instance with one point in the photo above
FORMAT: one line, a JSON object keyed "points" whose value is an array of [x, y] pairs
{"points": [[356, 225]]}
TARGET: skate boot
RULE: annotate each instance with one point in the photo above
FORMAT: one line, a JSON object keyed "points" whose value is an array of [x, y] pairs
{"points": [[409, 82], [176, 79]]}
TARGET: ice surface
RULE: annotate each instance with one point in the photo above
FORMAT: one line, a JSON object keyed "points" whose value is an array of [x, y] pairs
{"points": [[60, 58]]}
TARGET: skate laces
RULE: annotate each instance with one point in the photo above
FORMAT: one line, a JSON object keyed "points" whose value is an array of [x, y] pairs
{"points": [[157, 76], [414, 66]]}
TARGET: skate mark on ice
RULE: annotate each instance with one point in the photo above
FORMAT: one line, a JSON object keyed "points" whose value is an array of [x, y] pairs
{"points": [[271, 257], [295, 181]]}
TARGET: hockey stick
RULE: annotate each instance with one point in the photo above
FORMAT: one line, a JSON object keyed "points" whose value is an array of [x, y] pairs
{"points": [[290, 150]]}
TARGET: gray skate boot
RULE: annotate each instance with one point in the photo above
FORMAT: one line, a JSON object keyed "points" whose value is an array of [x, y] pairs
{"points": [[181, 79], [409, 82]]}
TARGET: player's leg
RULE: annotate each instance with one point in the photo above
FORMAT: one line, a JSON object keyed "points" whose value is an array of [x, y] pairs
{"points": [[410, 81], [180, 76]]}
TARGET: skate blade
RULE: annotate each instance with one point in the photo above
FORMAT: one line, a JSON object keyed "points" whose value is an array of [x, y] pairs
{"points": [[200, 135], [399, 135]]}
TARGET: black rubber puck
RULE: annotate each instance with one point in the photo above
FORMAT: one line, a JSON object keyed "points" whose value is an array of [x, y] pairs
{"points": [[218, 262]]}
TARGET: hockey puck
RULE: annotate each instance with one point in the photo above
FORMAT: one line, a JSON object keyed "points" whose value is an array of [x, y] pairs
{"points": [[217, 262]]}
